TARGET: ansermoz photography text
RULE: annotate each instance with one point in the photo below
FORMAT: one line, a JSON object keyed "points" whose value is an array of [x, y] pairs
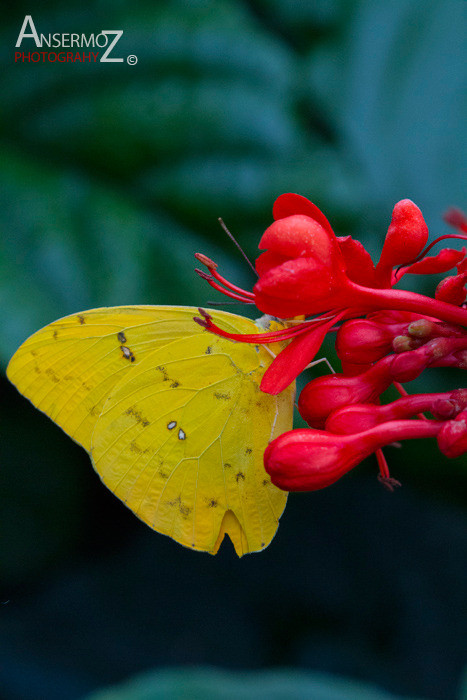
{"points": [[105, 40]]}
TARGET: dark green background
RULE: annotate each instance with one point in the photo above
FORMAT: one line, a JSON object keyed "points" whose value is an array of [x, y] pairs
{"points": [[112, 176]]}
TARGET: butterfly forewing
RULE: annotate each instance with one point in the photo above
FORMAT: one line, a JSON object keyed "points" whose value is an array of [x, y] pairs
{"points": [[68, 368]]}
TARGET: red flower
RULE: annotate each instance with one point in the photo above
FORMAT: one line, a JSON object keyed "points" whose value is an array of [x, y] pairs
{"points": [[306, 270]]}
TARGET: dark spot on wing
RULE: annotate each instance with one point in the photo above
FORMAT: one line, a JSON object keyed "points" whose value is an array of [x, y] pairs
{"points": [[163, 371], [211, 502], [137, 416], [121, 337], [81, 318], [182, 507], [163, 474], [51, 374], [225, 397], [263, 544], [165, 376], [55, 334], [239, 476], [248, 451], [227, 465], [265, 482], [184, 510], [83, 384], [135, 448], [126, 353], [208, 350]]}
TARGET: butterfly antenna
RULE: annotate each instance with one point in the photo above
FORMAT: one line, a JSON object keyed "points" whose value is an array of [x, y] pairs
{"points": [[238, 245]]}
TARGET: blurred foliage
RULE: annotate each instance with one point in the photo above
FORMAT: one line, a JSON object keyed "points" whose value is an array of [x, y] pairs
{"points": [[210, 684], [112, 177]]}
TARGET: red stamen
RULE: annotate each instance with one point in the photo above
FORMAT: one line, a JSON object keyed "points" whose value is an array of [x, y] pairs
{"points": [[210, 280], [231, 286], [258, 338], [204, 260], [382, 464], [402, 390], [212, 267]]}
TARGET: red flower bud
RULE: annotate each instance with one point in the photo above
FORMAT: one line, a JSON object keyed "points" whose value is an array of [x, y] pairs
{"points": [[456, 217], [325, 394], [452, 289], [354, 418], [360, 417], [308, 460], [363, 341], [408, 365], [452, 438], [406, 236]]}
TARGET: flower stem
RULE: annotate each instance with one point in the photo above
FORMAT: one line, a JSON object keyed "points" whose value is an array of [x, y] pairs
{"points": [[396, 299]]}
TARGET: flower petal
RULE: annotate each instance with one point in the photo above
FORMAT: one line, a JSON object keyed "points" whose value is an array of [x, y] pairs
{"points": [[267, 260], [293, 359], [296, 287], [290, 203], [358, 263], [406, 237], [445, 260], [299, 236]]}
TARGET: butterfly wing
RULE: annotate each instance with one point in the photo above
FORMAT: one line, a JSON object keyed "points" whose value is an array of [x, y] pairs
{"points": [[181, 442], [173, 417], [68, 368]]}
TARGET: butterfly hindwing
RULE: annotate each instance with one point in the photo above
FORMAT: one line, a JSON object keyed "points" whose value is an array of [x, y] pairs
{"points": [[182, 467]]}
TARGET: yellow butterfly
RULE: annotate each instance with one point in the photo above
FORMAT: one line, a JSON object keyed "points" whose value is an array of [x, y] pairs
{"points": [[171, 415]]}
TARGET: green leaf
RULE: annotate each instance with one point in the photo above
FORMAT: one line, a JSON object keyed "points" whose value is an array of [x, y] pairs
{"points": [[213, 684]]}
